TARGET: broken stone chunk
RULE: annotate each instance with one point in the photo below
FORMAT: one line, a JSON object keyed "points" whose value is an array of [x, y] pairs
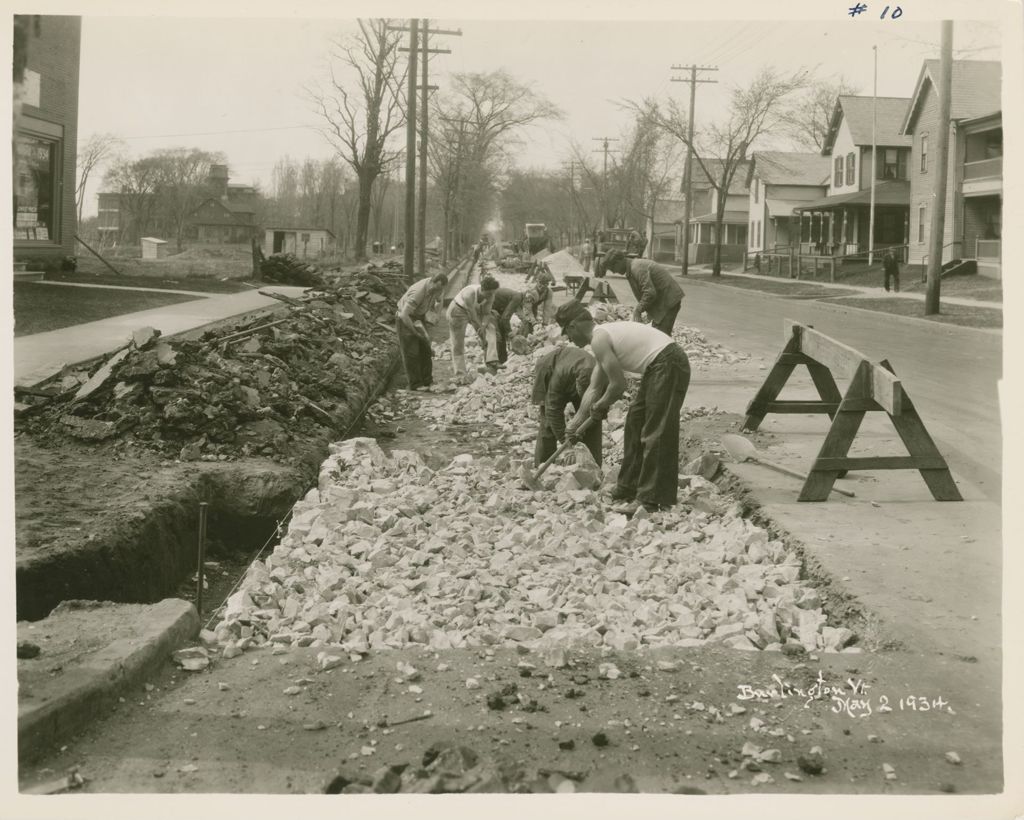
{"points": [[192, 659]]}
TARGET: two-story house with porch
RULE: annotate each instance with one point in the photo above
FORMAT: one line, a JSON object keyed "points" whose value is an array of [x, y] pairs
{"points": [[838, 224], [974, 180], [703, 210], [779, 182]]}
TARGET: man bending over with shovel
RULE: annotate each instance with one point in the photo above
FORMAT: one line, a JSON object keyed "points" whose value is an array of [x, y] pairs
{"points": [[649, 474], [559, 378]]}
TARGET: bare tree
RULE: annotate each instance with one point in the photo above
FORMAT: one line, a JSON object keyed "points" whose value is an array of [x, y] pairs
{"points": [[181, 184], [97, 149], [489, 110], [363, 110], [755, 112], [809, 116], [135, 181]]}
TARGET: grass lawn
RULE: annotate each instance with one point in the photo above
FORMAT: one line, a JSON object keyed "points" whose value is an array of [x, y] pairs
{"points": [[39, 307], [202, 284], [793, 288], [964, 315], [967, 286]]}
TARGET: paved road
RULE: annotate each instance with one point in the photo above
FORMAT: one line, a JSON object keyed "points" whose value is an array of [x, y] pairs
{"points": [[950, 373]]}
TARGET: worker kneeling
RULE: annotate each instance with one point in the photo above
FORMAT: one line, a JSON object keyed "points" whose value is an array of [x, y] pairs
{"points": [[562, 377], [650, 462]]}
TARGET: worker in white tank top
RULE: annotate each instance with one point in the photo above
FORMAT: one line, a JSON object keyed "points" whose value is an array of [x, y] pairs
{"points": [[649, 472]]}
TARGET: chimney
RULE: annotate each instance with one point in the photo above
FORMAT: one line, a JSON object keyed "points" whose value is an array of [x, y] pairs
{"points": [[219, 180]]}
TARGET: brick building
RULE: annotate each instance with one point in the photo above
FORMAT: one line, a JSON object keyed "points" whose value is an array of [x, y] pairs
{"points": [[46, 136]]}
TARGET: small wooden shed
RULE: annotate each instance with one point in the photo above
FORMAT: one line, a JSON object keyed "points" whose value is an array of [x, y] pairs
{"points": [[153, 248]]}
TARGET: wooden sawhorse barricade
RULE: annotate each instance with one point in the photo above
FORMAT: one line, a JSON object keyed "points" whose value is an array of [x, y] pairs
{"points": [[873, 387]]}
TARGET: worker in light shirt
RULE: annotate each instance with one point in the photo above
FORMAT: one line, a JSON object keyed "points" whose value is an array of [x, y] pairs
{"points": [[649, 474], [472, 306]]}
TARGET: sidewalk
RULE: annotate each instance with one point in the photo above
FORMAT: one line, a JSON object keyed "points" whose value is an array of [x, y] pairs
{"points": [[862, 291], [40, 355]]}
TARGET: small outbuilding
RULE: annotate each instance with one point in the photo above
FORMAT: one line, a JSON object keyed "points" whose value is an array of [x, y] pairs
{"points": [[301, 242], [153, 248]]}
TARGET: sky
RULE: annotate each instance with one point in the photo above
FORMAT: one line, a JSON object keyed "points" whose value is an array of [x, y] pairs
{"points": [[241, 85]]}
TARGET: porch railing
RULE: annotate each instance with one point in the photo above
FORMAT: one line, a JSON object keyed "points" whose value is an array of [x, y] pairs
{"points": [[982, 168], [772, 259], [988, 249], [831, 262], [956, 254]]}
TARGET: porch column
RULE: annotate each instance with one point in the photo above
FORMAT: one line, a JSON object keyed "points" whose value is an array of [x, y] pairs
{"points": [[844, 231]]}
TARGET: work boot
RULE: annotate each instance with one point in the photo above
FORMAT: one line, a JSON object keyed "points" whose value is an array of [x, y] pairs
{"points": [[627, 508]]}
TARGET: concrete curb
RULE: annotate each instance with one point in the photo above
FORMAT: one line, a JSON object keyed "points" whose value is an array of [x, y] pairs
{"points": [[115, 668]]}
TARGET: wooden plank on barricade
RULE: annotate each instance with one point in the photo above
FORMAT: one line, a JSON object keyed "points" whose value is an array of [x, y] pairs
{"points": [[872, 388]]}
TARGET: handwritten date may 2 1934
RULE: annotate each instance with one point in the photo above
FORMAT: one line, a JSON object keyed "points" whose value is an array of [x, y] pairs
{"points": [[850, 697]]}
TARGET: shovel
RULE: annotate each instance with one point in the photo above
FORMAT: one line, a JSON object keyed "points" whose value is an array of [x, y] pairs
{"points": [[532, 479], [743, 450]]}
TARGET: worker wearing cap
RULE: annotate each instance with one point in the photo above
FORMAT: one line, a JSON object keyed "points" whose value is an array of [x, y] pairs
{"points": [[471, 306], [562, 377], [536, 301], [413, 341], [656, 292], [650, 461]]}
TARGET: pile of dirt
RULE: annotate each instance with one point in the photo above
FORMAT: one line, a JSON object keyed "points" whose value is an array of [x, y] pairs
{"points": [[252, 391]]}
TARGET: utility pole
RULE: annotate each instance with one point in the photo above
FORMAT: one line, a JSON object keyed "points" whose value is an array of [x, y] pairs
{"points": [[410, 156], [572, 195], [604, 176], [416, 234], [874, 161], [931, 297], [688, 170]]}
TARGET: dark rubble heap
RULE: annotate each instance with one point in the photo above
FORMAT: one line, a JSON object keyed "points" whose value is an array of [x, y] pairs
{"points": [[246, 391]]}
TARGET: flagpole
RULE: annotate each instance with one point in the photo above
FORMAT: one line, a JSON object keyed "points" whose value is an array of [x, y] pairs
{"points": [[874, 161]]}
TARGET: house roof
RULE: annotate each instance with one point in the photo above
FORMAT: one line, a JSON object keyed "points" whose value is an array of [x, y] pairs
{"points": [[292, 229], [890, 192], [728, 217], [789, 168], [783, 207], [975, 90], [738, 185], [857, 112]]}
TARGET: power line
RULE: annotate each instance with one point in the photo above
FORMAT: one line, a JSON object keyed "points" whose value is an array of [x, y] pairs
{"points": [[216, 133]]}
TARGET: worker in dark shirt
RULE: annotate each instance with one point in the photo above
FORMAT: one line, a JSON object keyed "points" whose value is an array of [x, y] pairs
{"points": [[657, 293], [507, 303], [560, 378]]}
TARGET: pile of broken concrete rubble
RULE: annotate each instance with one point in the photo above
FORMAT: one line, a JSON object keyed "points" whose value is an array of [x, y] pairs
{"points": [[248, 391], [387, 553]]}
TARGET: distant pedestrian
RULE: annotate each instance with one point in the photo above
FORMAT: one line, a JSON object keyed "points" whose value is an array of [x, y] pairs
{"points": [[413, 341], [588, 255], [892, 271], [657, 293]]}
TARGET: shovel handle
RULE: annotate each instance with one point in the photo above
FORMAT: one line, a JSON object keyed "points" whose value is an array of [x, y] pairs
{"points": [[561, 447], [794, 474]]}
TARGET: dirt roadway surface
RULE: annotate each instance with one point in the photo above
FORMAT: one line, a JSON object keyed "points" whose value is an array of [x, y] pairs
{"points": [[233, 728]]}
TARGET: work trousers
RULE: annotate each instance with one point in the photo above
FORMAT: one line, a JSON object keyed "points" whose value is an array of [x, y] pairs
{"points": [[417, 357], [667, 321], [547, 443], [895, 277], [650, 461], [458, 318]]}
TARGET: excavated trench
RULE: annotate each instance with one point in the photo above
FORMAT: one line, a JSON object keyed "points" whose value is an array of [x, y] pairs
{"points": [[151, 552]]}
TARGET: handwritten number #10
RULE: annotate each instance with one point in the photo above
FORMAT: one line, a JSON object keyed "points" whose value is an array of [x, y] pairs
{"points": [[896, 13]]}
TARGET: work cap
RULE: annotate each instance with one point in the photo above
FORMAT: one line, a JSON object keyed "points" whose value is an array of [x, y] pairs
{"points": [[569, 313]]}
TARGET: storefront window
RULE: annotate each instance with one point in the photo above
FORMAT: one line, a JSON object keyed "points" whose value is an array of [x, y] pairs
{"points": [[35, 188]]}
